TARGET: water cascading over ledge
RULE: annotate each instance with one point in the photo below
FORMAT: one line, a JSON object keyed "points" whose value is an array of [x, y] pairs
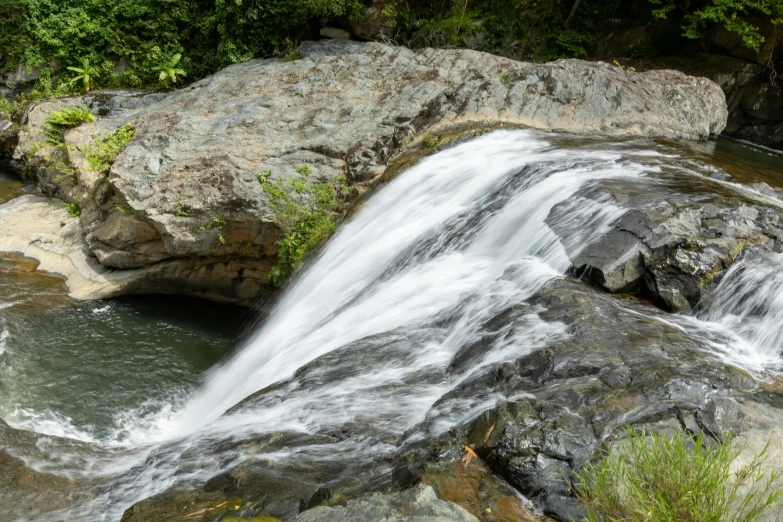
{"points": [[441, 314]]}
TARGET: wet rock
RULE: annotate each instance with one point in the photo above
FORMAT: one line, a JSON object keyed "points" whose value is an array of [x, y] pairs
{"points": [[345, 109], [620, 363], [419, 504], [678, 236]]}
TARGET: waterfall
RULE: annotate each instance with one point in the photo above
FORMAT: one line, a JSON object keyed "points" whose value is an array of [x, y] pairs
{"points": [[395, 295]]}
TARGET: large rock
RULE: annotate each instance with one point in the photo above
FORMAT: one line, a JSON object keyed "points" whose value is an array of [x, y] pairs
{"points": [[622, 364], [344, 109], [678, 236]]}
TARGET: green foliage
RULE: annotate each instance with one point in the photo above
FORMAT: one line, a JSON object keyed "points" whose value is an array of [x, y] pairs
{"points": [[169, 72], [678, 479], [732, 14], [85, 75], [125, 209], [73, 209], [306, 211], [105, 149], [525, 29], [58, 122], [133, 42], [430, 141], [290, 52]]}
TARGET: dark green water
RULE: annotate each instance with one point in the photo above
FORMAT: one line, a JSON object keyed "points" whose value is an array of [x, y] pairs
{"points": [[10, 186], [69, 368]]}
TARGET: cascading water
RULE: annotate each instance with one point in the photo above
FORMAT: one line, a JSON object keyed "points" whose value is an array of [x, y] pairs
{"points": [[387, 305]]}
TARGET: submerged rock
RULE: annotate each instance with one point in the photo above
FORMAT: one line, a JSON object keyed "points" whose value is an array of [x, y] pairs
{"points": [[185, 196], [419, 504]]}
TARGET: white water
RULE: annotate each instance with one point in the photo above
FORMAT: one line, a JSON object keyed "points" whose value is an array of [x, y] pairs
{"points": [[426, 262]]}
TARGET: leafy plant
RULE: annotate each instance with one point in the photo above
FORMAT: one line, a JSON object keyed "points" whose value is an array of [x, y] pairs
{"points": [[170, 71], [660, 479], [85, 75], [58, 122], [105, 149], [306, 210], [125, 209]]}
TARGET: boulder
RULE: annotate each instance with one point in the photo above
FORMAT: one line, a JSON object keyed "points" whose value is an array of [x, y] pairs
{"points": [[345, 109], [678, 235]]}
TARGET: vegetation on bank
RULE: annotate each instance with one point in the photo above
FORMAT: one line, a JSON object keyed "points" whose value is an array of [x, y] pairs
{"points": [[306, 210], [659, 479], [83, 44], [105, 149]]}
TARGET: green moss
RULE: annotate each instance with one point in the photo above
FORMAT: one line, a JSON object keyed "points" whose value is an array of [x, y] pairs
{"points": [[58, 122], [74, 209], [105, 149], [306, 211], [260, 518]]}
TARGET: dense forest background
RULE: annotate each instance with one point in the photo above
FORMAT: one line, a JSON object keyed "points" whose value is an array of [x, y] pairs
{"points": [[141, 43]]}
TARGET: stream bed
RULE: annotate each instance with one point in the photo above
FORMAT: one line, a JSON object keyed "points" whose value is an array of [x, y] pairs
{"points": [[373, 345]]}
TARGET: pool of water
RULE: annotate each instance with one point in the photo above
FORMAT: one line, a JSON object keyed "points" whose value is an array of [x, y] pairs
{"points": [[70, 367], [10, 186], [746, 162]]}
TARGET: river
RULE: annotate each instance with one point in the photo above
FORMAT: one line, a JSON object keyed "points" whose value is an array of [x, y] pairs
{"points": [[149, 386]]}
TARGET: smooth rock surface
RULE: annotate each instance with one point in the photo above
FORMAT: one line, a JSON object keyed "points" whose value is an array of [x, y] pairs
{"points": [[345, 109]]}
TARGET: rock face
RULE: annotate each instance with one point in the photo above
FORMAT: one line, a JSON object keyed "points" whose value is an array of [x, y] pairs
{"points": [[677, 237], [620, 365], [346, 109]]}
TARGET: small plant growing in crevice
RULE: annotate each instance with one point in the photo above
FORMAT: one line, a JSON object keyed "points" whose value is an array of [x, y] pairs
{"points": [[660, 479], [102, 154], [74, 210], [624, 67], [307, 211], [290, 51], [125, 209], [430, 141], [217, 224], [60, 121]]}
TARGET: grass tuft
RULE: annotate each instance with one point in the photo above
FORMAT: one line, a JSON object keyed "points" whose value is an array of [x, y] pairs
{"points": [[659, 479]]}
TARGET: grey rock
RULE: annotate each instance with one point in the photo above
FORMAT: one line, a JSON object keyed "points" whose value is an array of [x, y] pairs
{"points": [[678, 236], [346, 108], [419, 504]]}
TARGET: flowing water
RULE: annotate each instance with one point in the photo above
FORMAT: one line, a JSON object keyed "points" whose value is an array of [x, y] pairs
{"points": [[388, 303]]}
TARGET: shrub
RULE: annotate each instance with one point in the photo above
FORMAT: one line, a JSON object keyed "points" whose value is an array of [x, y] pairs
{"points": [[58, 122], [104, 151], [660, 479], [306, 211]]}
